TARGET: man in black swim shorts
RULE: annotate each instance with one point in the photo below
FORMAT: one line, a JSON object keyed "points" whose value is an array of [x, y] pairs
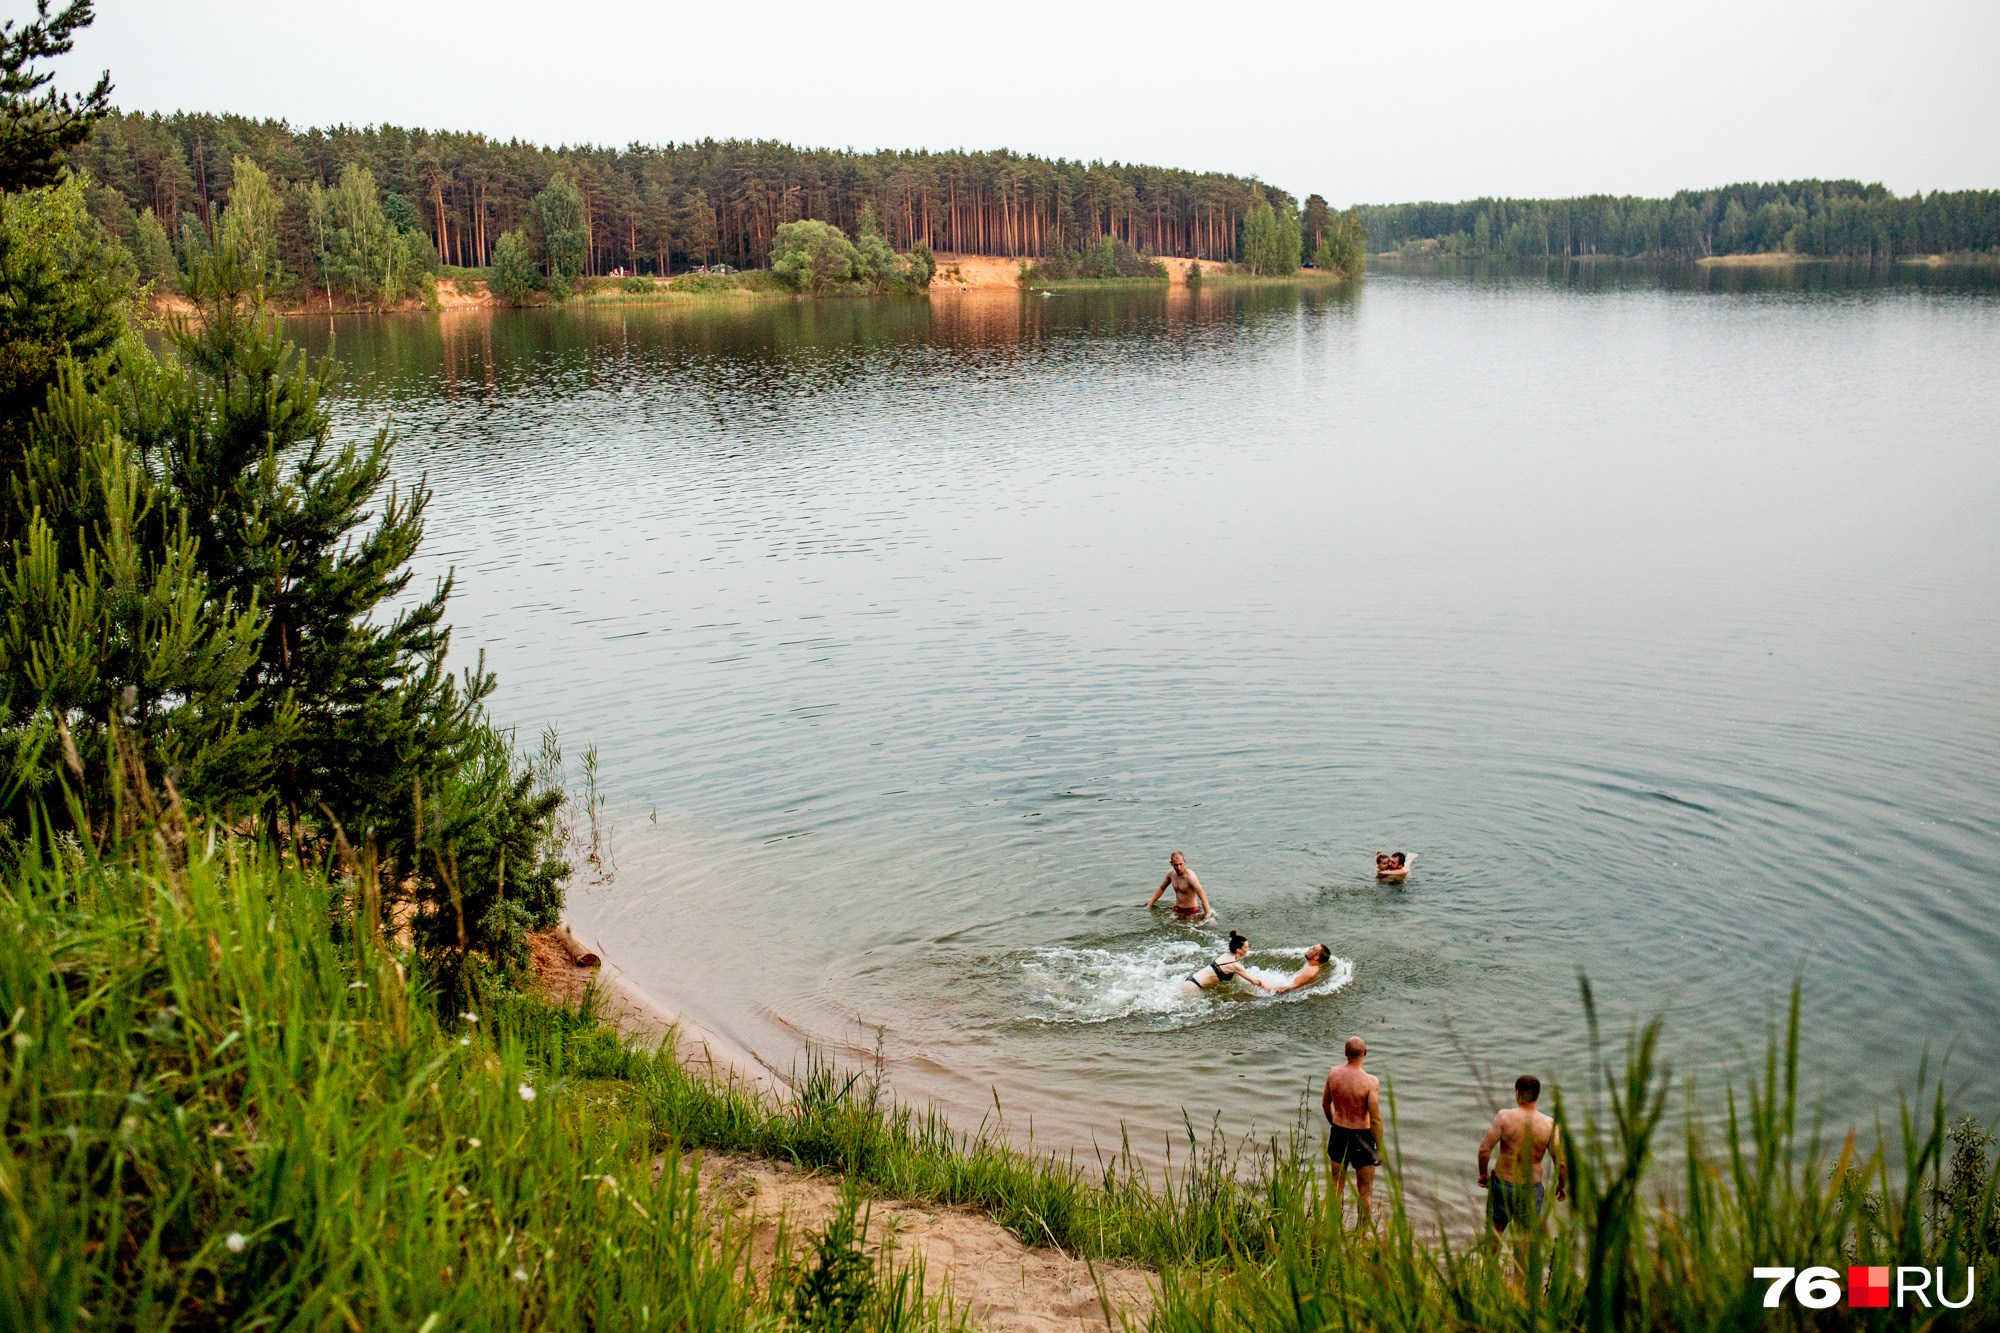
{"points": [[1353, 1106]]}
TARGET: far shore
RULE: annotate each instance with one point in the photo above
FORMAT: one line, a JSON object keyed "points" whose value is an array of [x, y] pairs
{"points": [[1773, 259], [956, 274]]}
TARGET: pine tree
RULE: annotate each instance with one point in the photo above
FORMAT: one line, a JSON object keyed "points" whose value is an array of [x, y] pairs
{"points": [[64, 290], [38, 126], [110, 622]]}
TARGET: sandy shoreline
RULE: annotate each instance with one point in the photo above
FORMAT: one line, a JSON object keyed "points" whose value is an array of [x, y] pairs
{"points": [[639, 1014], [998, 1280]]}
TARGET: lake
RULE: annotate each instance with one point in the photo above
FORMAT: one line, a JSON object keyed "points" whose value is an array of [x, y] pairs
{"points": [[1655, 610]]}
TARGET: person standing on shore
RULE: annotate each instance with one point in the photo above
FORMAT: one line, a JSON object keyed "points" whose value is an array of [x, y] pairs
{"points": [[1189, 899], [1353, 1106], [1524, 1136]]}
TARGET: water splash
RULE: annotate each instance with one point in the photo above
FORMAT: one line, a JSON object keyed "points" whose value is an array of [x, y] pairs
{"points": [[1144, 979]]}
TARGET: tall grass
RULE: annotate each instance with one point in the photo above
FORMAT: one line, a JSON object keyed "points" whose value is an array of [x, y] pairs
{"points": [[226, 1105]]}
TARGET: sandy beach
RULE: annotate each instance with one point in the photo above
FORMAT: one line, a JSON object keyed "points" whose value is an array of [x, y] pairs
{"points": [[1001, 1283]]}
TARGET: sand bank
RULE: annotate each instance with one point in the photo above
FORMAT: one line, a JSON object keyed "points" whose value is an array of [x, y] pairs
{"points": [[1002, 1283], [633, 1011], [962, 273]]}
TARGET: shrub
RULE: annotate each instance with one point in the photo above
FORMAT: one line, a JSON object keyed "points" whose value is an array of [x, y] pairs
{"points": [[514, 271], [813, 255]]}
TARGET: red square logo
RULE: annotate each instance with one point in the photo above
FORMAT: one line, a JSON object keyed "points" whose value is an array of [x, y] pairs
{"points": [[1868, 1287]]}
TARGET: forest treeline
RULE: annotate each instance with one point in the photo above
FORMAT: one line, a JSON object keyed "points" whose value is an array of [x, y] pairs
{"points": [[649, 209], [1837, 219]]}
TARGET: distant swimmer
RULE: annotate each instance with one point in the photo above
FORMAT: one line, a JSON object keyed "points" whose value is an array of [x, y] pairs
{"points": [[1316, 957], [1392, 866], [1189, 900], [1230, 965], [1353, 1106]]}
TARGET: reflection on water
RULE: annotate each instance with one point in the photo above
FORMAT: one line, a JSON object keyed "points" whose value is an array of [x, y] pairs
{"points": [[1657, 616]]}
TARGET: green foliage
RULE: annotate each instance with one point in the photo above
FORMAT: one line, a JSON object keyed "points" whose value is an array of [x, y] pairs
{"points": [[1315, 219], [676, 206], [250, 222], [111, 623], [874, 261], [402, 215], [1342, 246], [1271, 242], [358, 249], [516, 272], [227, 1108], [1110, 258], [922, 266], [813, 256], [1838, 219], [565, 240], [153, 254], [39, 126], [1055, 264], [64, 291], [195, 564], [1194, 276]]}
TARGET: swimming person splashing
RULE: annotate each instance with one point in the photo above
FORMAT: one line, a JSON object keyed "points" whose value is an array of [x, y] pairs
{"points": [[1230, 965], [1317, 957]]}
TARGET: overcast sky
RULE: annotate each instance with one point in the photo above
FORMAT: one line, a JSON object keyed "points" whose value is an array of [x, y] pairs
{"points": [[1373, 103]]}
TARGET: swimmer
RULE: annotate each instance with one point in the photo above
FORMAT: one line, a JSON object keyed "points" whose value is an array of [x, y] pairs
{"points": [[1316, 957], [1231, 965], [1189, 899], [1392, 866]]}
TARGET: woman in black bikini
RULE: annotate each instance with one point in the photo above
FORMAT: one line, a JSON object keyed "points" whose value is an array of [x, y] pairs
{"points": [[1223, 968]]}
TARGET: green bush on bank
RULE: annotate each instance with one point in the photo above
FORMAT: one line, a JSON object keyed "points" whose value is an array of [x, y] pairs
{"points": [[1110, 259]]}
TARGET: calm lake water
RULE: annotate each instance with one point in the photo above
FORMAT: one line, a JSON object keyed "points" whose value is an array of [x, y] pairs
{"points": [[1656, 612]]}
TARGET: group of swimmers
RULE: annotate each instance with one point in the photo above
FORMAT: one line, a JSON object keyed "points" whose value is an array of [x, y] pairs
{"points": [[1191, 902], [1351, 1101]]}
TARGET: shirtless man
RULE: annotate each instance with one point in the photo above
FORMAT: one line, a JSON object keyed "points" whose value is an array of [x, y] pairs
{"points": [[1353, 1108], [1316, 957], [1525, 1136], [1189, 900]]}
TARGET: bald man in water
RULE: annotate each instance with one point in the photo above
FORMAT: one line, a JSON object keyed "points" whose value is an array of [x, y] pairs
{"points": [[1353, 1106], [1190, 899]]}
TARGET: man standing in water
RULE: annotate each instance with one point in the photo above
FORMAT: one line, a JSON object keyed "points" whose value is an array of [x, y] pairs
{"points": [[1525, 1136], [1353, 1106], [1189, 900]]}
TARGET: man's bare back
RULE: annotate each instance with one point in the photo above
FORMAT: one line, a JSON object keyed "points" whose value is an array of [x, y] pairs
{"points": [[1516, 1131], [1353, 1107], [1351, 1096]]}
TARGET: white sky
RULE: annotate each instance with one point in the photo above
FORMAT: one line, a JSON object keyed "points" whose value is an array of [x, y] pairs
{"points": [[1376, 103]]}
